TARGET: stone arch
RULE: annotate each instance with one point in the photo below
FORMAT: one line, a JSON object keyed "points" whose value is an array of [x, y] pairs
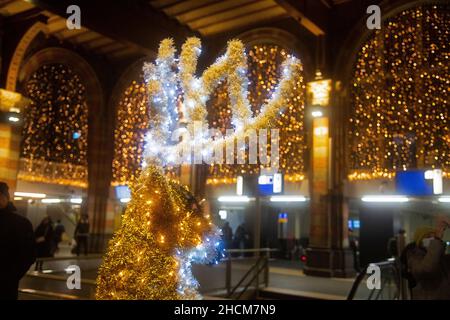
{"points": [[70, 58], [19, 53], [94, 93]]}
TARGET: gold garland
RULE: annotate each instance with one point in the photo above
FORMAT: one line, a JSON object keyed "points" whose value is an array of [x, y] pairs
{"points": [[140, 262]]}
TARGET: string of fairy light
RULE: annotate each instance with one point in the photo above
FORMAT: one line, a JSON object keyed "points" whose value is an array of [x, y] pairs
{"points": [[132, 124], [54, 144], [400, 93], [264, 62]]}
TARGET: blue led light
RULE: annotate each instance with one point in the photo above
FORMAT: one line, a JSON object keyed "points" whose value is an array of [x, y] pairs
{"points": [[76, 135]]}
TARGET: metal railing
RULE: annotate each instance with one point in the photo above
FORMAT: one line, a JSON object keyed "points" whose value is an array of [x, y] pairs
{"points": [[48, 295], [88, 285], [253, 274], [74, 257], [390, 286]]}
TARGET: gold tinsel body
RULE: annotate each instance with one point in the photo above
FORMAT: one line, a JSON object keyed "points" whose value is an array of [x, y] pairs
{"points": [[140, 262]]}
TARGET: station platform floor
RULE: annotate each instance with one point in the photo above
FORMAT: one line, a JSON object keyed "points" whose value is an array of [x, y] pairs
{"points": [[286, 278]]}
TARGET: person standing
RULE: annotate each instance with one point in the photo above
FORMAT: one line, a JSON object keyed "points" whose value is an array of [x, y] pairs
{"points": [[17, 246], [354, 246], [81, 234], [227, 235], [44, 235], [241, 238]]}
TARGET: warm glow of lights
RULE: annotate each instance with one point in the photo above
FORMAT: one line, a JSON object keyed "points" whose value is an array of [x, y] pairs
{"points": [[57, 109], [132, 123], [400, 116], [319, 91], [264, 61], [320, 131], [367, 175], [11, 101]]}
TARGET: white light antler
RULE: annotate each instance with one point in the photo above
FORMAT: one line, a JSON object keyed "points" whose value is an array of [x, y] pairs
{"points": [[164, 85]]}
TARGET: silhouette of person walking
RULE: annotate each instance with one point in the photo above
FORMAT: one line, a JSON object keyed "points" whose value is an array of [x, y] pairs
{"points": [[16, 246]]}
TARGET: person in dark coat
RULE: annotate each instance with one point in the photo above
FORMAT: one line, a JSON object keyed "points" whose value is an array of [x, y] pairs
{"points": [[227, 235], [44, 235], [81, 234], [17, 249], [354, 246], [241, 237]]}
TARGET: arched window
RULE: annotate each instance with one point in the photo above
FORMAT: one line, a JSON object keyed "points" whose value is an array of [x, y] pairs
{"points": [[54, 140], [400, 114]]}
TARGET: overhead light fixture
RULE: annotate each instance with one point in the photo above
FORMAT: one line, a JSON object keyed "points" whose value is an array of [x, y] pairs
{"points": [[288, 199], [49, 201], [385, 198], [234, 199], [18, 198], [13, 119], [30, 195], [445, 199], [317, 114], [76, 200], [125, 200]]}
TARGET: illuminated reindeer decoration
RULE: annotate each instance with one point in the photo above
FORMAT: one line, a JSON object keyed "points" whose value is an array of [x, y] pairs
{"points": [[163, 229]]}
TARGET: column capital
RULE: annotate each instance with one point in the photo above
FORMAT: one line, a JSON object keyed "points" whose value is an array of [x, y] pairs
{"points": [[11, 101]]}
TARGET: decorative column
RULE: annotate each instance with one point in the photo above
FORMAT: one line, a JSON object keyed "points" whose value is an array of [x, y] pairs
{"points": [[11, 106], [100, 155], [326, 255]]}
